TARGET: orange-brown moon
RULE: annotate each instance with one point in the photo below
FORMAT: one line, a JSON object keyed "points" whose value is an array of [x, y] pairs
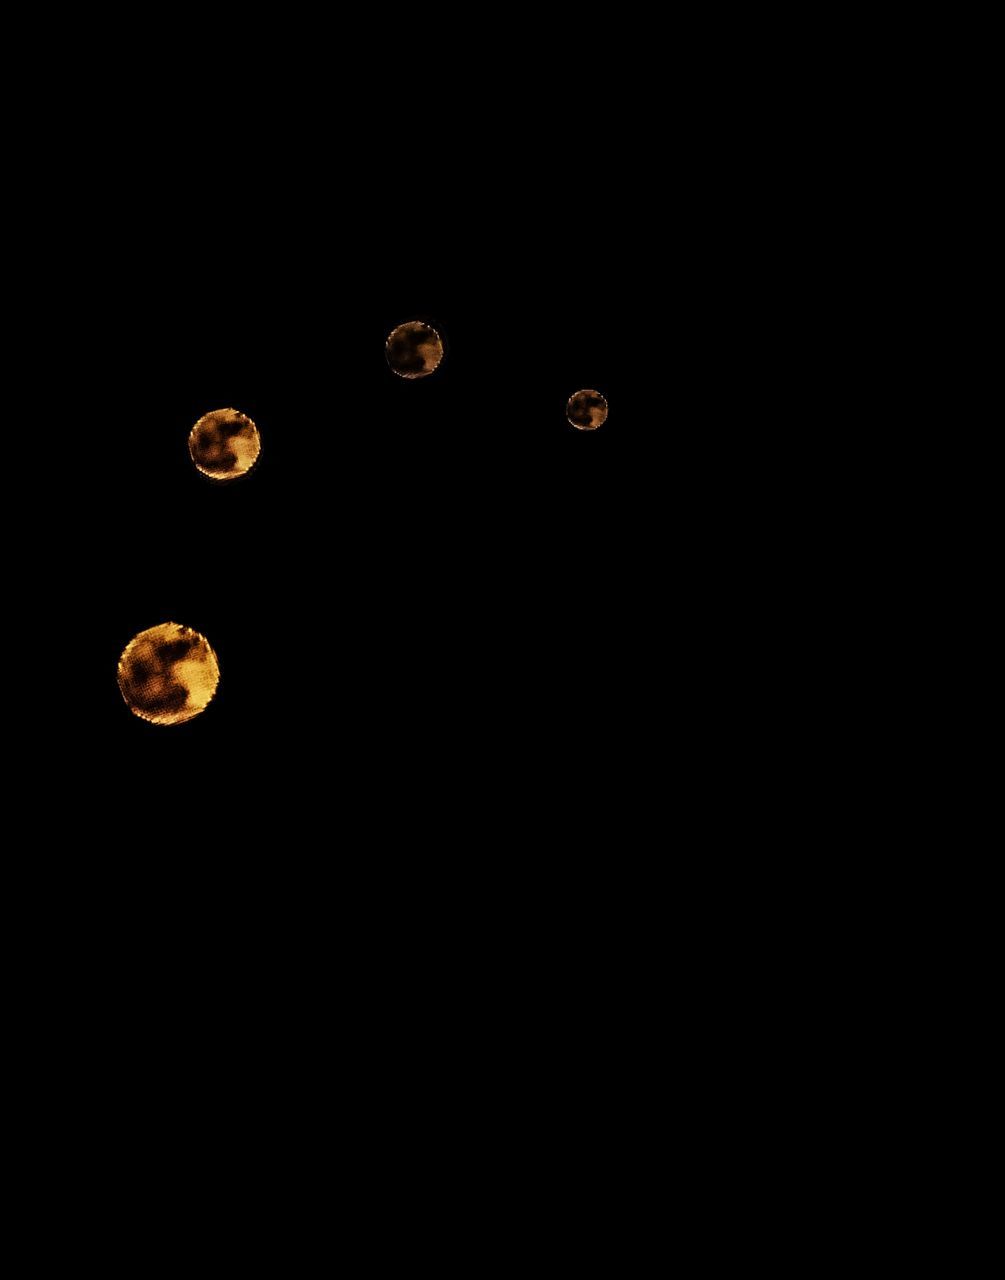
{"points": [[168, 674], [413, 350], [224, 444], [587, 410]]}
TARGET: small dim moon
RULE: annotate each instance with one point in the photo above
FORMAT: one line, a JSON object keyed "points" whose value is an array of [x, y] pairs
{"points": [[413, 350], [224, 444], [587, 410], [168, 674]]}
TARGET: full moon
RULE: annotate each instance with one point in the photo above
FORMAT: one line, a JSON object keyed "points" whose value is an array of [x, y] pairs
{"points": [[224, 444], [413, 350], [587, 410], [168, 674]]}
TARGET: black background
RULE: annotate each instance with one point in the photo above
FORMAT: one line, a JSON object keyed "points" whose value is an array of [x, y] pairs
{"points": [[427, 841], [407, 846]]}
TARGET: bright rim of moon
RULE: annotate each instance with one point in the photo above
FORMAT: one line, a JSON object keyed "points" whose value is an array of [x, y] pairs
{"points": [[413, 350], [224, 444], [587, 410], [168, 674]]}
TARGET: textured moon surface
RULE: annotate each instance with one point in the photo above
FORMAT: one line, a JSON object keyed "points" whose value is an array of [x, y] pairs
{"points": [[168, 674], [224, 444], [587, 410], [413, 350]]}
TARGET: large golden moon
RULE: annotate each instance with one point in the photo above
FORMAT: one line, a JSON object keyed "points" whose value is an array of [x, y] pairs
{"points": [[168, 674], [587, 410], [224, 444], [413, 350]]}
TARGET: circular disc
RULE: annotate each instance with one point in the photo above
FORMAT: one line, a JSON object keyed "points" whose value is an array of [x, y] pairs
{"points": [[587, 410], [413, 350], [168, 674], [224, 444]]}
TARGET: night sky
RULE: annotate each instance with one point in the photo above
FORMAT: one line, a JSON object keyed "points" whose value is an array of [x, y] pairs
{"points": [[416, 574], [408, 847]]}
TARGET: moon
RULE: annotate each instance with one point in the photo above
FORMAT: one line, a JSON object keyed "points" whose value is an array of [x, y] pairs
{"points": [[224, 444], [587, 410], [168, 674], [413, 350]]}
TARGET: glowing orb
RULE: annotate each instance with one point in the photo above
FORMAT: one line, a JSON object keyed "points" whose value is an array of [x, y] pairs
{"points": [[168, 674], [224, 444], [587, 410], [413, 350]]}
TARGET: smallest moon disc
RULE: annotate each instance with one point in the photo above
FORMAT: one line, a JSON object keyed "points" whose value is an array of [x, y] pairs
{"points": [[224, 444], [413, 350], [168, 674], [587, 410]]}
